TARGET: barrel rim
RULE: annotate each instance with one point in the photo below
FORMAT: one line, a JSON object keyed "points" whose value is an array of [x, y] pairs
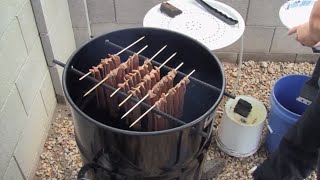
{"points": [[136, 133]]}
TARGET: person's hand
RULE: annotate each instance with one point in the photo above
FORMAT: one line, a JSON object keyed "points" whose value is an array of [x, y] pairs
{"points": [[303, 34]]}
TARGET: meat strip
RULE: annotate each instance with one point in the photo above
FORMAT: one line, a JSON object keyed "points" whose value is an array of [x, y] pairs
{"points": [[97, 92], [100, 90], [135, 61]]}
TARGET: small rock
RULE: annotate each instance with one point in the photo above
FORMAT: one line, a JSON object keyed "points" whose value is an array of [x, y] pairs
{"points": [[213, 168], [42, 156], [264, 64], [234, 74], [271, 70]]}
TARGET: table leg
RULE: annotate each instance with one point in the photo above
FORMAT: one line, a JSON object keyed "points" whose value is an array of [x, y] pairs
{"points": [[236, 85]]}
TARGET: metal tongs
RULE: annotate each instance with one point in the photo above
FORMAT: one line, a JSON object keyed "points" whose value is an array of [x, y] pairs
{"points": [[220, 15]]}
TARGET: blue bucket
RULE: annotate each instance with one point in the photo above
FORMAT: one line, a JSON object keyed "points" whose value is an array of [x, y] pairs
{"points": [[285, 110]]}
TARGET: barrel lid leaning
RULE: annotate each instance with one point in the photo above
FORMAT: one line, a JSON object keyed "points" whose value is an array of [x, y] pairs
{"points": [[257, 115]]}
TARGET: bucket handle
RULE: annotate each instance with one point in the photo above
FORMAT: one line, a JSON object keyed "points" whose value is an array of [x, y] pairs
{"points": [[269, 127]]}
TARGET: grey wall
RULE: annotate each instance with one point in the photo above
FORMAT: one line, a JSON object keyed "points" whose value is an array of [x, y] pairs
{"points": [[32, 34], [56, 33], [264, 38], [27, 98]]}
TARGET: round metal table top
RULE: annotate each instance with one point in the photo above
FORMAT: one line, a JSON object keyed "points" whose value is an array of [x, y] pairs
{"points": [[295, 12], [199, 24]]}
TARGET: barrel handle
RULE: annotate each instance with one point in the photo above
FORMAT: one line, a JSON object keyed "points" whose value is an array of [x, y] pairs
{"points": [[269, 127]]}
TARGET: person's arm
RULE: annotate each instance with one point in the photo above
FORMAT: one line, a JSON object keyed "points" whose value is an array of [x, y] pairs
{"points": [[309, 33], [297, 154], [314, 21]]}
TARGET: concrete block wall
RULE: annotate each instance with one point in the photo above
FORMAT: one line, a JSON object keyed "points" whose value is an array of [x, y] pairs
{"points": [[56, 34], [28, 43], [265, 38]]}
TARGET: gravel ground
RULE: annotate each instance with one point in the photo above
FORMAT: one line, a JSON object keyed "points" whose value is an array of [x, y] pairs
{"points": [[61, 160]]}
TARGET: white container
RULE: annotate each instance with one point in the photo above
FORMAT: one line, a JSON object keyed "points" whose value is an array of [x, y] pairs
{"points": [[239, 136]]}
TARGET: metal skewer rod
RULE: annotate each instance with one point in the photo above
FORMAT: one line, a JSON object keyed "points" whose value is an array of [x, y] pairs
{"points": [[216, 89], [158, 52], [120, 88], [145, 113], [102, 81], [143, 98], [133, 99], [125, 100], [81, 78], [142, 49], [130, 45]]}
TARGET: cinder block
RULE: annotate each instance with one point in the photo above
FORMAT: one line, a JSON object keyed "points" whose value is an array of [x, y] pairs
{"points": [[240, 6], [13, 172], [98, 29], [282, 43], [81, 35], [28, 25], [256, 39], [31, 75], [38, 11], [47, 49], [48, 95], [48, 13], [13, 118], [30, 144], [62, 38], [133, 11], [59, 43], [264, 12], [8, 10], [78, 13], [13, 53], [102, 11], [52, 11], [230, 57], [312, 58], [56, 79], [269, 57]]}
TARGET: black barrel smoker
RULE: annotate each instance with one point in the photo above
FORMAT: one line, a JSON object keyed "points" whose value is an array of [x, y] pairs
{"points": [[110, 149]]}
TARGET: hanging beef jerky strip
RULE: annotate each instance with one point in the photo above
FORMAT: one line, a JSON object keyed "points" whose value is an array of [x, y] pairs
{"points": [[184, 82], [100, 90], [170, 102], [135, 59], [162, 124], [114, 61], [137, 75], [164, 84], [137, 110], [97, 92], [136, 113], [130, 81]]}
